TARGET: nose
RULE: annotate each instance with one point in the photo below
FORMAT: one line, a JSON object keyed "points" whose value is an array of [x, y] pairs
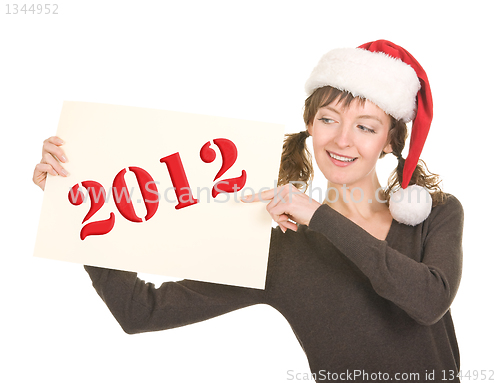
{"points": [[343, 137]]}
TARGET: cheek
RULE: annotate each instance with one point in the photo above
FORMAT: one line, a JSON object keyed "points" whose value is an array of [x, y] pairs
{"points": [[371, 148], [319, 141]]}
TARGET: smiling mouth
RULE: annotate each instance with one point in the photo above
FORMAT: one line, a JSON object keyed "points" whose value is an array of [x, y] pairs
{"points": [[341, 158]]}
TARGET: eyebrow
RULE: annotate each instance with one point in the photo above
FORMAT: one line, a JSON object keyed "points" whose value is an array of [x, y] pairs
{"points": [[371, 117], [332, 109], [364, 116]]}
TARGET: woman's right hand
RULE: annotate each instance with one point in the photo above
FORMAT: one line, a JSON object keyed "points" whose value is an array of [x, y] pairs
{"points": [[52, 155]]}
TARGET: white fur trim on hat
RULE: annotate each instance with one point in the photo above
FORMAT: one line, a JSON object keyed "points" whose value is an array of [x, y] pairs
{"points": [[410, 206], [386, 81]]}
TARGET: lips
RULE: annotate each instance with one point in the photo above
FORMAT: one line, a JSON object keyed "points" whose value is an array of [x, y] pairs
{"points": [[340, 158]]}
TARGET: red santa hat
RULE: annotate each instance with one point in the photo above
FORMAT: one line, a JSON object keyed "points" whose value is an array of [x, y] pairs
{"points": [[390, 77]]}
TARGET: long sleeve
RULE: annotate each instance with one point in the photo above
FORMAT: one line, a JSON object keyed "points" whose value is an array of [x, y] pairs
{"points": [[140, 307], [354, 302], [424, 288]]}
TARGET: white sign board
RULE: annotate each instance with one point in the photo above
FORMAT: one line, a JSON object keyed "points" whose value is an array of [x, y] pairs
{"points": [[159, 192]]}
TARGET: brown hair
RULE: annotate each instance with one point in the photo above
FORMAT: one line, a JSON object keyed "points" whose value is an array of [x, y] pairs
{"points": [[296, 161]]}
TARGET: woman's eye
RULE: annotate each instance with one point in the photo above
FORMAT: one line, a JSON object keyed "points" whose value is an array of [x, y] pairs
{"points": [[327, 120], [365, 129]]}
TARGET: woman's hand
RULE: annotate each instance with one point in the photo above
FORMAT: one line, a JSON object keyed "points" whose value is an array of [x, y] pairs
{"points": [[52, 155], [288, 206]]}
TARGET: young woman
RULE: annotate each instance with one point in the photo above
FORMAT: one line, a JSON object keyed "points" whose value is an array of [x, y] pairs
{"points": [[367, 296]]}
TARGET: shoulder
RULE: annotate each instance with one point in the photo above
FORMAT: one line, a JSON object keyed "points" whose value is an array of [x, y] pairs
{"points": [[448, 216], [450, 206]]}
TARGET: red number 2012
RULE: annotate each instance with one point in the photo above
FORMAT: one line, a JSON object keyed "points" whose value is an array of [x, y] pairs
{"points": [[150, 195]]}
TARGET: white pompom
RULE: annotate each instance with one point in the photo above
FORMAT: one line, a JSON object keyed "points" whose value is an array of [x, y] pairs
{"points": [[411, 206]]}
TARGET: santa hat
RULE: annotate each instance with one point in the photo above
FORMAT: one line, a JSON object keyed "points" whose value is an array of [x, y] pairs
{"points": [[390, 77]]}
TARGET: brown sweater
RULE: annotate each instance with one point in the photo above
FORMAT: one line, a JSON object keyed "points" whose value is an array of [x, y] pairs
{"points": [[359, 306]]}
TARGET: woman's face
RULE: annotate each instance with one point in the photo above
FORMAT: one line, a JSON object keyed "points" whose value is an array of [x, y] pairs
{"points": [[348, 141]]}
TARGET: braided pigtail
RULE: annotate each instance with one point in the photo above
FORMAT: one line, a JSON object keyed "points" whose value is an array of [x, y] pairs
{"points": [[296, 161], [421, 175]]}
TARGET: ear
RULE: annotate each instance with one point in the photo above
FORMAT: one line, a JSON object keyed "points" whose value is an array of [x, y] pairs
{"points": [[387, 149], [309, 129]]}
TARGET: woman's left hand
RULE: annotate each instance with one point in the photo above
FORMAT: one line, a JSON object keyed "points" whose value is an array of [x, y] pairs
{"points": [[287, 204]]}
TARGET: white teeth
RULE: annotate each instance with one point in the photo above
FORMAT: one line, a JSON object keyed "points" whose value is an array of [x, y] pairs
{"points": [[339, 158]]}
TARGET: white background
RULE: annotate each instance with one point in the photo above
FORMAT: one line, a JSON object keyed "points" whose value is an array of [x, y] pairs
{"points": [[235, 59]]}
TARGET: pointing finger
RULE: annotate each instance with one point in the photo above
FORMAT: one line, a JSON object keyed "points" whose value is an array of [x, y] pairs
{"points": [[262, 196]]}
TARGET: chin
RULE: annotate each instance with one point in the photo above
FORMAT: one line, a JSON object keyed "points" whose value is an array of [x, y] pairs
{"points": [[348, 178]]}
